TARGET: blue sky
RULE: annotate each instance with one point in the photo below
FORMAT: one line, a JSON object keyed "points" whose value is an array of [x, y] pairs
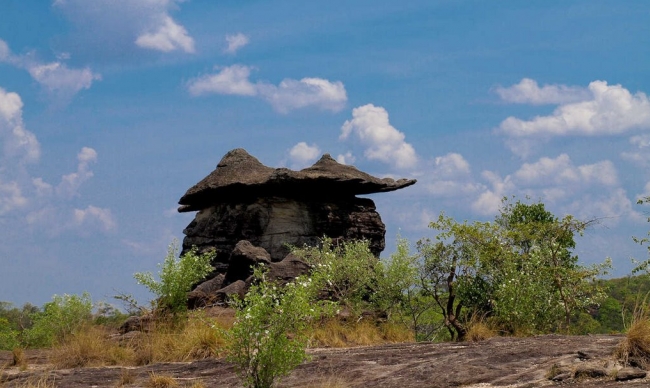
{"points": [[111, 109]]}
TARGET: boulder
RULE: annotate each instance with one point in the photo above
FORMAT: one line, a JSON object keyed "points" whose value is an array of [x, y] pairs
{"points": [[630, 373], [242, 260], [203, 295]]}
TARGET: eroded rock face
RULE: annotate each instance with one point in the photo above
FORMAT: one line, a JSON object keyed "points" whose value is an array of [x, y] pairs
{"points": [[272, 223]]}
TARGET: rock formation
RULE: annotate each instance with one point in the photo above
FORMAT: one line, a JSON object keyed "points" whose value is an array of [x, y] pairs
{"points": [[272, 208]]}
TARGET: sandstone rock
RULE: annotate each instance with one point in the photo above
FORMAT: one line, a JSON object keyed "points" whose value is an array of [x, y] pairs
{"points": [[630, 373], [273, 209], [590, 370], [204, 294], [288, 269], [238, 288], [243, 258]]}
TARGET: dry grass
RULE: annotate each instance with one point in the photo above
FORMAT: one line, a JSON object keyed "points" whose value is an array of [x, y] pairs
{"points": [[636, 343], [126, 377], [43, 381], [90, 347], [19, 359], [160, 381], [197, 338], [200, 338], [479, 330], [338, 334]]}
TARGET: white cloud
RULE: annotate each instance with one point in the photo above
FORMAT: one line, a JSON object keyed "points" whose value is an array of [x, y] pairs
{"points": [[11, 197], [55, 77], [167, 36], [613, 206], [70, 183], [382, 141], [92, 215], [144, 23], [230, 80], [18, 142], [562, 172], [346, 158], [58, 78], [235, 42], [451, 165], [639, 155], [489, 201], [302, 155], [290, 94], [611, 110], [527, 91]]}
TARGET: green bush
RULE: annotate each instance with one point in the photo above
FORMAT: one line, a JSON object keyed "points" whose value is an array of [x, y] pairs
{"points": [[60, 318], [8, 336], [268, 337], [177, 276]]}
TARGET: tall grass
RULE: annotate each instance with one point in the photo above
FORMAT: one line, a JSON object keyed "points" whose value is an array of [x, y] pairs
{"points": [[197, 338], [338, 334], [636, 344]]}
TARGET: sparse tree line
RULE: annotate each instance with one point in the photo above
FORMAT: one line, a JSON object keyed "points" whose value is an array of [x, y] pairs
{"points": [[515, 275]]}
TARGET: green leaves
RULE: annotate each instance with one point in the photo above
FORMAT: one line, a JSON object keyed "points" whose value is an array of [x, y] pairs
{"points": [[268, 338], [177, 276]]}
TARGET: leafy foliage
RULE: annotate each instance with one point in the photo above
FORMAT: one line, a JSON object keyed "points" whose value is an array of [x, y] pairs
{"points": [[518, 270], [268, 338], [177, 276], [60, 318]]}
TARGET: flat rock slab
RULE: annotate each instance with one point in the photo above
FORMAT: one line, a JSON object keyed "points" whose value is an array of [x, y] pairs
{"points": [[501, 361]]}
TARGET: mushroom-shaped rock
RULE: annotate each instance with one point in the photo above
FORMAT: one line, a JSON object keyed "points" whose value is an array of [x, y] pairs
{"points": [[274, 208]]}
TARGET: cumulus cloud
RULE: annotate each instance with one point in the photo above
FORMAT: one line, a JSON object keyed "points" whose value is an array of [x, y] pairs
{"points": [[145, 23], [11, 197], [302, 155], [56, 77], [92, 215], [289, 95], [230, 80], [167, 36], [489, 201], [561, 171], [70, 183], [606, 110], [527, 91], [611, 109], [613, 206], [19, 143], [639, 155], [383, 142], [450, 177], [346, 158], [235, 42]]}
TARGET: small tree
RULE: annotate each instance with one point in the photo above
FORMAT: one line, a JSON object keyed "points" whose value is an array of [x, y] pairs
{"points": [[61, 317], [268, 338], [177, 276]]}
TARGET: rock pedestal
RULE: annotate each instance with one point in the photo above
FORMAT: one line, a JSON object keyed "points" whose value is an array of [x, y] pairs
{"points": [[273, 209]]}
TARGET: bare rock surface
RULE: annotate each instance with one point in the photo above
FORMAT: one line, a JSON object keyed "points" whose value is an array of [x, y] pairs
{"points": [[497, 362]]}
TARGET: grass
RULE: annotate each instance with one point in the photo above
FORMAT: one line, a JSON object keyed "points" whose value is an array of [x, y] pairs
{"points": [[197, 338], [43, 381], [636, 343], [160, 381], [338, 334], [126, 377], [19, 359], [479, 330]]}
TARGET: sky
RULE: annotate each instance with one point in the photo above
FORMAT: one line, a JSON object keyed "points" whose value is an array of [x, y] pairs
{"points": [[111, 109]]}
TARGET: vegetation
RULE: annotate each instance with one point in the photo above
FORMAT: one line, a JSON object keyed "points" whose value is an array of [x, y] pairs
{"points": [[515, 275], [269, 336], [177, 276]]}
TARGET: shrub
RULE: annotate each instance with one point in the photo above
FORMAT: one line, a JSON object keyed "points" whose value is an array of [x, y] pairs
{"points": [[268, 338], [177, 276], [8, 336], [59, 318]]}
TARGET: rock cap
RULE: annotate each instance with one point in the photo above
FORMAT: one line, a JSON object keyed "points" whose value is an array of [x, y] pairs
{"points": [[239, 175]]}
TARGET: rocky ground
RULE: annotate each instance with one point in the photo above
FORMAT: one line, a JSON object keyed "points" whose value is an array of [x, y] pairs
{"points": [[576, 361]]}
